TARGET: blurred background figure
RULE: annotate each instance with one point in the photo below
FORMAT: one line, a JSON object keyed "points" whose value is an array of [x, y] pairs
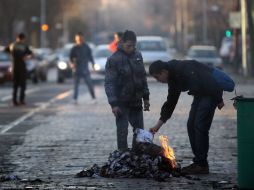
{"points": [[20, 53], [226, 50], [80, 56], [113, 45]]}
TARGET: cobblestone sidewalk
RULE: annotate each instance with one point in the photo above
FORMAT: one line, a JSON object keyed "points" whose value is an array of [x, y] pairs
{"points": [[77, 136]]}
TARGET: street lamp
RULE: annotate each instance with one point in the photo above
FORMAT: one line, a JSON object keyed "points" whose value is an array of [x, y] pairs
{"points": [[43, 21], [204, 21], [35, 21]]}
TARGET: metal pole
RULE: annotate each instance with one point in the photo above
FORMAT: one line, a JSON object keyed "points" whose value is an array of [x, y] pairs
{"points": [[244, 37], [185, 24], [178, 8], [205, 21], [42, 21], [65, 28]]}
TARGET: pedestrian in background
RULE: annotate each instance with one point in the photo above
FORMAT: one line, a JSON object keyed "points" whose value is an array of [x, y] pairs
{"points": [[126, 86], [20, 52], [206, 85], [113, 45], [80, 56]]}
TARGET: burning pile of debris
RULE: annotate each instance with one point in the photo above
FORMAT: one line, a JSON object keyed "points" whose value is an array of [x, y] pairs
{"points": [[147, 160]]}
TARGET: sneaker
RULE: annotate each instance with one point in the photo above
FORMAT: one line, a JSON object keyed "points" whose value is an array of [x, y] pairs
{"points": [[93, 101], [22, 103], [15, 104], [195, 169]]}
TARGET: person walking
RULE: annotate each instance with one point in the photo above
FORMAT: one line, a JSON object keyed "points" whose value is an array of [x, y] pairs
{"points": [[80, 55], [20, 53], [206, 85], [126, 87]]}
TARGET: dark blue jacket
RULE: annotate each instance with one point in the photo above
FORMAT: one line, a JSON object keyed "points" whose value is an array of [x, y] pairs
{"points": [[191, 76], [81, 55], [19, 51]]}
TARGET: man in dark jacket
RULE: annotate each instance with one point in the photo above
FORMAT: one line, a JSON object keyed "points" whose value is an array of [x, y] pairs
{"points": [[197, 79], [126, 86], [20, 52], [80, 55]]}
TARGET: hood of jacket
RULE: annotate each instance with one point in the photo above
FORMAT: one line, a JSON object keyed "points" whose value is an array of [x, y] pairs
{"points": [[171, 68], [120, 48]]}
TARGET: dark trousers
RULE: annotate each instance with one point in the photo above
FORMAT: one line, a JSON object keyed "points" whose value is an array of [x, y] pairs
{"points": [[198, 125], [128, 115], [19, 82], [88, 81]]}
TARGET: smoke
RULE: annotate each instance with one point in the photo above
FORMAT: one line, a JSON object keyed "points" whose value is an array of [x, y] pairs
{"points": [[108, 16]]}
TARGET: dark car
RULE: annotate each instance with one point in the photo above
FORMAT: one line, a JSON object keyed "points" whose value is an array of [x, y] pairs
{"points": [[63, 64], [42, 67], [5, 67]]}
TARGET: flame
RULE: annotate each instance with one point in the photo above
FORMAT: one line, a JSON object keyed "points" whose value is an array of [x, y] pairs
{"points": [[168, 151]]}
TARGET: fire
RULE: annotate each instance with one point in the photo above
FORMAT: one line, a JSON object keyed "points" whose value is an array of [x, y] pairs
{"points": [[168, 151]]}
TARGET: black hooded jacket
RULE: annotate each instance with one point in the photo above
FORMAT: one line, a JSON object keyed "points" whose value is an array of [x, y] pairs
{"points": [[125, 79], [191, 76]]}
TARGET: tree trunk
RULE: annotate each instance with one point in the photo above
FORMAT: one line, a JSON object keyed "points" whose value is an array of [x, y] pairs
{"points": [[237, 55]]}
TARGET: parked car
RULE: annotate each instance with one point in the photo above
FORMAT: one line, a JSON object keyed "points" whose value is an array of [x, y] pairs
{"points": [[5, 67], [205, 54], [31, 65], [43, 65], [37, 68], [153, 48], [47, 55], [101, 53]]}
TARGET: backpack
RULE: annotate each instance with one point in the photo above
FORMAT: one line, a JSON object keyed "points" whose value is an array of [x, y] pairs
{"points": [[223, 80]]}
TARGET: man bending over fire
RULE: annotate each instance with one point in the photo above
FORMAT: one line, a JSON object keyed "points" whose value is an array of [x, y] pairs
{"points": [[200, 82]]}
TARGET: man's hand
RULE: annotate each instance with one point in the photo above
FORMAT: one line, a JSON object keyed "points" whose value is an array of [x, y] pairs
{"points": [[116, 111], [220, 105], [72, 65], [146, 105], [156, 128], [27, 57]]}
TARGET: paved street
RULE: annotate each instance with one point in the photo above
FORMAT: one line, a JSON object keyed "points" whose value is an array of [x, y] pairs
{"points": [[60, 139]]}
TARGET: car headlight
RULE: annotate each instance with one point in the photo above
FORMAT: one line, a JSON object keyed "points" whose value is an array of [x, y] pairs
{"points": [[97, 67], [62, 65]]}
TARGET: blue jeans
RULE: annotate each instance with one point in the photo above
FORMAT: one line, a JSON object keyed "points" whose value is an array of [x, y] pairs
{"points": [[87, 80], [128, 115], [198, 125]]}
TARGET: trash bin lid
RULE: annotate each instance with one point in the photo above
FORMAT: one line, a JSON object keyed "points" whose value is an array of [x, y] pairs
{"points": [[243, 99]]}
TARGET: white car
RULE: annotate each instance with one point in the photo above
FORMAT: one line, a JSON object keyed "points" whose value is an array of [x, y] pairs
{"points": [[101, 54], [153, 48], [205, 54]]}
